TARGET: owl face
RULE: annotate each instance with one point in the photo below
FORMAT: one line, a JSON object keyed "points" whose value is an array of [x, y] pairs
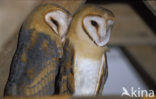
{"points": [[59, 22], [51, 19], [98, 28]]}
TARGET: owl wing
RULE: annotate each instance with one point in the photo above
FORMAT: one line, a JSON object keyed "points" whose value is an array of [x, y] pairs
{"points": [[103, 77], [34, 66], [66, 74]]}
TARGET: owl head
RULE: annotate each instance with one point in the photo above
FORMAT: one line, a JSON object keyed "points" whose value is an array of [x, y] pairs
{"points": [[51, 19], [92, 24]]}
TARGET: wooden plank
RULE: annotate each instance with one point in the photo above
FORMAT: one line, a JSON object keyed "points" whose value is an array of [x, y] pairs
{"points": [[46, 97], [11, 20], [129, 28], [68, 97], [145, 56], [151, 4]]}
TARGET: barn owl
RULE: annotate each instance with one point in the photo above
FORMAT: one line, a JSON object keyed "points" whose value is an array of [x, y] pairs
{"points": [[85, 50], [35, 64]]}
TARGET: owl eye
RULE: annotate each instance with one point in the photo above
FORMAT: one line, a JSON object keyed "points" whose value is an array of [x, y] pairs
{"points": [[94, 23], [55, 22]]}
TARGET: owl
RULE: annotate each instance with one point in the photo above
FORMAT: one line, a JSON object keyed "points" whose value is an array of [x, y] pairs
{"points": [[84, 66], [35, 64]]}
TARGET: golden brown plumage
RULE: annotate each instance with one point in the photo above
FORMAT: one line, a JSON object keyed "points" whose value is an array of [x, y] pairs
{"points": [[87, 37], [36, 61]]}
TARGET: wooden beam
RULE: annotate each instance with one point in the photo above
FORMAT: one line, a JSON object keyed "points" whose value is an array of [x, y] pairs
{"points": [[151, 4], [144, 60], [129, 28], [45, 97], [69, 97]]}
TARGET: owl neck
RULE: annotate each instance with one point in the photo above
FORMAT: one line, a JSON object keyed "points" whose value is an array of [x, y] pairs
{"points": [[89, 54], [87, 50]]}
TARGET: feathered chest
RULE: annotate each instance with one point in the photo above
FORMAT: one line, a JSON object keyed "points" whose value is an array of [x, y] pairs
{"points": [[87, 73]]}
